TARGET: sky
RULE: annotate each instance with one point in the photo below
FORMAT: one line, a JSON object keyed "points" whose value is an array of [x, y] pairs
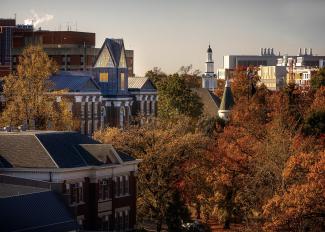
{"points": [[172, 33]]}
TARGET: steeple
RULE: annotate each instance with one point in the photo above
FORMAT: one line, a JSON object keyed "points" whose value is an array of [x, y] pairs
{"points": [[227, 102], [208, 78]]}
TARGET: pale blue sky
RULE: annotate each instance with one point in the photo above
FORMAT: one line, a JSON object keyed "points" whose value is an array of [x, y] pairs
{"points": [[172, 33]]}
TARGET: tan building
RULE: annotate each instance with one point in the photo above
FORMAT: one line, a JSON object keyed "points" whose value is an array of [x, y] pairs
{"points": [[273, 77]]}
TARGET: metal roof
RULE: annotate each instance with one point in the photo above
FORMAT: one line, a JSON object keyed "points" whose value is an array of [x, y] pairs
{"points": [[74, 81], [138, 83], [227, 100], [38, 212]]}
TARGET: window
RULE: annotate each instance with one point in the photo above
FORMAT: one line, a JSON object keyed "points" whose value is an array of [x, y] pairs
{"points": [[122, 81], [117, 186], [122, 178], [122, 63], [104, 59], [103, 77], [126, 185], [104, 189], [76, 193], [105, 223]]}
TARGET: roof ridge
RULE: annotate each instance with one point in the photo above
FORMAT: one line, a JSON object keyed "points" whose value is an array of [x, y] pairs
{"points": [[46, 151]]}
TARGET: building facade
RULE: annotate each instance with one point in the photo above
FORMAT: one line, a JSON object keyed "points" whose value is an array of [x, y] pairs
{"points": [[95, 181], [273, 77]]}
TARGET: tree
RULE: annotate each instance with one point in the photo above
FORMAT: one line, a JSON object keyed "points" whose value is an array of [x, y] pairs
{"points": [[167, 150], [301, 207], [156, 75], [318, 80], [175, 99], [177, 213], [27, 100], [244, 82], [192, 77]]}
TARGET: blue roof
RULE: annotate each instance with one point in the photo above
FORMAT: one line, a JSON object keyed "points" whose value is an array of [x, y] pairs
{"points": [[38, 212], [66, 151], [74, 81]]}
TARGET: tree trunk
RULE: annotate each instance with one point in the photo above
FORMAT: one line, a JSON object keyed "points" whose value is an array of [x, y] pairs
{"points": [[159, 225], [229, 205], [198, 210]]}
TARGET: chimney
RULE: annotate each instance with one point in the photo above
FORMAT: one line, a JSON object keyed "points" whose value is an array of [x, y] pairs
{"points": [[310, 51], [272, 51], [299, 51], [264, 51], [269, 51], [261, 51], [305, 51]]}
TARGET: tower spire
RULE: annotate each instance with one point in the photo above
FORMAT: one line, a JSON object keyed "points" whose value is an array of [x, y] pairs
{"points": [[208, 78]]}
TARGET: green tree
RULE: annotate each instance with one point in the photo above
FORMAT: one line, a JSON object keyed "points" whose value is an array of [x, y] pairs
{"points": [[156, 75], [175, 98], [318, 80]]}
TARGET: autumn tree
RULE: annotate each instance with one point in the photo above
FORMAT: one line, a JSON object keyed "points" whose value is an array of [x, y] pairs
{"points": [[191, 77], [301, 206], [244, 82], [168, 150], [26, 93]]}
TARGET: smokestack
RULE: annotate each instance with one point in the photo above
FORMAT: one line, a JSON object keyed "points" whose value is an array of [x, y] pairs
{"points": [[261, 51], [272, 51], [299, 51], [310, 51], [269, 51], [305, 51], [264, 51]]}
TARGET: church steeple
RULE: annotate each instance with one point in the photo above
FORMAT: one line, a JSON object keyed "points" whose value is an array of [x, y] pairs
{"points": [[208, 78]]}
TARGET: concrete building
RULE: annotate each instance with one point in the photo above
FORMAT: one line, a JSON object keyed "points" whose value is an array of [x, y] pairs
{"points": [[269, 58], [96, 182], [6, 31], [266, 58], [209, 78], [273, 77], [72, 50]]}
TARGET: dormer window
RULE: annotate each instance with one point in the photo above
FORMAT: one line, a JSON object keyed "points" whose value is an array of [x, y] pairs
{"points": [[103, 77]]}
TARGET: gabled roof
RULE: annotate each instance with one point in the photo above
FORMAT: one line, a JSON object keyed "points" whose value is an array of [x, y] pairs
{"points": [[227, 101], [53, 150], [140, 83], [74, 81], [210, 101], [115, 48], [27, 213]]}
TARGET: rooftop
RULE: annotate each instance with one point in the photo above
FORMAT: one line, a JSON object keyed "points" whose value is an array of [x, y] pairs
{"points": [[48, 149]]}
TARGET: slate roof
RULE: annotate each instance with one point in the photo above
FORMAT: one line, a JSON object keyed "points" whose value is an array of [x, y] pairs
{"points": [[227, 99], [23, 151], [74, 81], [140, 83], [210, 101], [27, 213], [50, 150]]}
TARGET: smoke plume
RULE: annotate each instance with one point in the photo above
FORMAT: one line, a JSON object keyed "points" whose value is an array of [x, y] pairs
{"points": [[36, 19]]}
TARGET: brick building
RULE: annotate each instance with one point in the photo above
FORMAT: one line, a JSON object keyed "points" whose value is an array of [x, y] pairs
{"points": [[96, 182]]}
